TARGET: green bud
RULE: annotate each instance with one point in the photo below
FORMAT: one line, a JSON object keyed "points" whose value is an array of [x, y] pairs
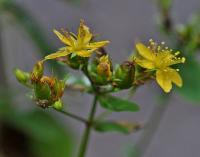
{"points": [[42, 91], [21, 76], [58, 89], [75, 62], [37, 72], [101, 70], [124, 75], [58, 105]]}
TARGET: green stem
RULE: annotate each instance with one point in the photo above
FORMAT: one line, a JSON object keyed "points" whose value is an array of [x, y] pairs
{"points": [[86, 135], [73, 116]]}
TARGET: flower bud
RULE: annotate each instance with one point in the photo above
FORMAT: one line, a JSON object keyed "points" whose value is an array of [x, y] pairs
{"points": [[75, 62], [48, 90], [42, 91], [124, 75], [58, 89], [58, 105], [21, 76], [37, 72], [101, 70]]}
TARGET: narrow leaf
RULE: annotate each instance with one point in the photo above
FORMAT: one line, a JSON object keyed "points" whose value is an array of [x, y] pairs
{"points": [[122, 127]]}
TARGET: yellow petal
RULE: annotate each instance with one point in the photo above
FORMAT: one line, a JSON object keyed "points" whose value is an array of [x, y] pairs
{"points": [[145, 63], [144, 51], [175, 77], [164, 80], [84, 35], [85, 53], [97, 44], [65, 39], [57, 54]]}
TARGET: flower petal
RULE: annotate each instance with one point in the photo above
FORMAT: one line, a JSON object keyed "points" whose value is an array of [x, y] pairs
{"points": [[57, 54], [85, 53], [144, 51], [175, 77], [97, 44], [164, 80], [66, 39], [145, 63], [84, 35]]}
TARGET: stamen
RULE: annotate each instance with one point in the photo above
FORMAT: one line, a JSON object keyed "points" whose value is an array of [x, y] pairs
{"points": [[183, 60], [65, 32], [159, 48], [177, 53], [150, 40], [162, 43]]}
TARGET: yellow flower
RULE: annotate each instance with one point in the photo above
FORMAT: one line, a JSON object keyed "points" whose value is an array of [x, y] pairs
{"points": [[79, 45], [155, 57]]}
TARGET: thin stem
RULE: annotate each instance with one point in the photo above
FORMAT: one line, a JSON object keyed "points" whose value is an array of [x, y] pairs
{"points": [[73, 116], [86, 135]]}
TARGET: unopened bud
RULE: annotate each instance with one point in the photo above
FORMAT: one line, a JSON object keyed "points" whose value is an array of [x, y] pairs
{"points": [[102, 70], [75, 62], [42, 91], [21, 76], [58, 105], [104, 67], [124, 75], [37, 72], [58, 89]]}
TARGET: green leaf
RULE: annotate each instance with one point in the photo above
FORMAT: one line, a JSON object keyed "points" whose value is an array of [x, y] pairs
{"points": [[190, 74], [116, 104], [122, 127], [165, 4]]}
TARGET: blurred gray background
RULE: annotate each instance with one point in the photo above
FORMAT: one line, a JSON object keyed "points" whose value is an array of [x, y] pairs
{"points": [[122, 22]]}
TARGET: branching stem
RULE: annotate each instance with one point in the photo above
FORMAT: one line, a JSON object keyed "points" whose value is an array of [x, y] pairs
{"points": [[86, 134]]}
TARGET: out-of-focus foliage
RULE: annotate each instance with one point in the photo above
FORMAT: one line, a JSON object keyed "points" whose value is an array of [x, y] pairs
{"points": [[189, 42], [48, 138], [31, 26], [191, 76], [165, 4]]}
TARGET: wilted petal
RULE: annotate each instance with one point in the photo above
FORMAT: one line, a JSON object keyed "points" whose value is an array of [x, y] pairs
{"points": [[84, 35]]}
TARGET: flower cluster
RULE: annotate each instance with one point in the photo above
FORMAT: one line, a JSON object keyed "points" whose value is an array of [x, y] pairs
{"points": [[153, 61], [47, 91]]}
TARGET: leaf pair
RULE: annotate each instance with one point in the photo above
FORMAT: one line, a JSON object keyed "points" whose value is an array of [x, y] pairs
{"points": [[117, 105]]}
